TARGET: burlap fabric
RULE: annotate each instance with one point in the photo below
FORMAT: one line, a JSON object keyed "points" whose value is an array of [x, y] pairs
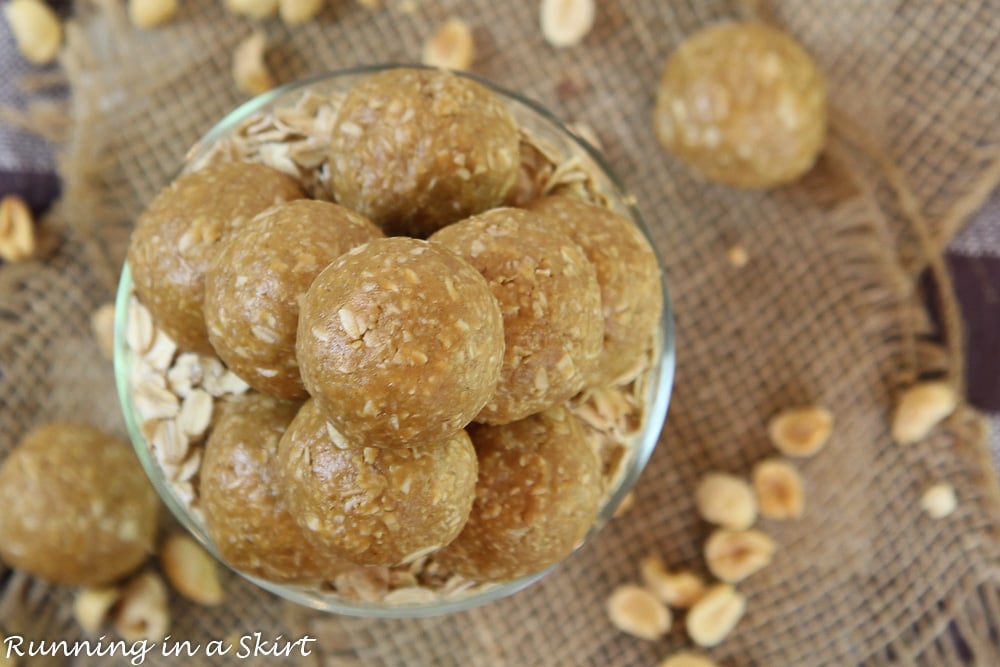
{"points": [[827, 311]]}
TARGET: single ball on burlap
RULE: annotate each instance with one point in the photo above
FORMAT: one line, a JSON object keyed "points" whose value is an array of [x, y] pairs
{"points": [[628, 274], [77, 506], [538, 494], [244, 511], [253, 286], [744, 104], [375, 506], [178, 235], [400, 343], [551, 304], [417, 149]]}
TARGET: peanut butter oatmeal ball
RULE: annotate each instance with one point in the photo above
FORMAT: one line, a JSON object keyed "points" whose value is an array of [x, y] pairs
{"points": [[551, 306], [176, 238], [400, 343], [375, 506], [416, 149], [538, 493], [627, 273], [77, 507], [744, 104], [253, 285], [244, 512]]}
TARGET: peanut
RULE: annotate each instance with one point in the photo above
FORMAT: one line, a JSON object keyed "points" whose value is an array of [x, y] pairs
{"points": [[733, 555], [801, 431], [255, 9], [191, 570], [627, 503], [566, 22], [715, 615], [726, 500], [638, 612], [92, 605], [37, 30], [451, 47], [679, 590], [17, 227], [779, 489], [920, 409], [249, 71], [102, 325], [143, 612], [151, 13], [939, 500], [687, 659], [295, 12]]}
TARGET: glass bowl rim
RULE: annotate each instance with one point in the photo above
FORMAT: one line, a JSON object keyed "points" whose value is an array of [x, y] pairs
{"points": [[662, 373]]}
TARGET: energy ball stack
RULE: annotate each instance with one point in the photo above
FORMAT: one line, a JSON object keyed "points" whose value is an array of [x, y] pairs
{"points": [[408, 396]]}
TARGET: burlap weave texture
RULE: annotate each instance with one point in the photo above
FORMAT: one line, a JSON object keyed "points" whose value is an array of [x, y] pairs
{"points": [[825, 312]]}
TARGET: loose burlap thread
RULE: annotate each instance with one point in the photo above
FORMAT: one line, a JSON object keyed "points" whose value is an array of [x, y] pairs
{"points": [[826, 311]]}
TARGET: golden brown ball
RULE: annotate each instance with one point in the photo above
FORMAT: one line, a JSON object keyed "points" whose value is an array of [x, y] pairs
{"points": [[77, 506], [177, 236], [744, 104]]}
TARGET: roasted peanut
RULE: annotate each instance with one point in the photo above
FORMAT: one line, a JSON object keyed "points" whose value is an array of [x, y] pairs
{"points": [[801, 431], [733, 555], [143, 612], [726, 500], [191, 570], [920, 409], [102, 325], [257, 9], [151, 13], [687, 659], [566, 22], [295, 12], [715, 615], [939, 500], [37, 30], [679, 590], [249, 70], [638, 612], [451, 47], [779, 489], [17, 228], [92, 605]]}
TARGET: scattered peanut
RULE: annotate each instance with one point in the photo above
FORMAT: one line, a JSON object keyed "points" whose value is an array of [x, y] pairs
{"points": [[737, 256], [249, 71], [451, 47], [566, 22], [17, 227], [638, 612], [256, 9], [726, 500], [295, 12], [679, 590], [92, 605], [627, 503], [715, 615], [939, 500], [143, 612], [779, 489], [801, 431], [687, 659], [36, 29], [733, 555], [191, 570], [102, 325], [151, 13], [920, 409]]}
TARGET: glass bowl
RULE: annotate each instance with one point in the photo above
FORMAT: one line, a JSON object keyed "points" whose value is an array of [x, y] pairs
{"points": [[543, 126]]}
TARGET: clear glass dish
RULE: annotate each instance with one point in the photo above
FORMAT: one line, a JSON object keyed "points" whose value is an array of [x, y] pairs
{"points": [[542, 125]]}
